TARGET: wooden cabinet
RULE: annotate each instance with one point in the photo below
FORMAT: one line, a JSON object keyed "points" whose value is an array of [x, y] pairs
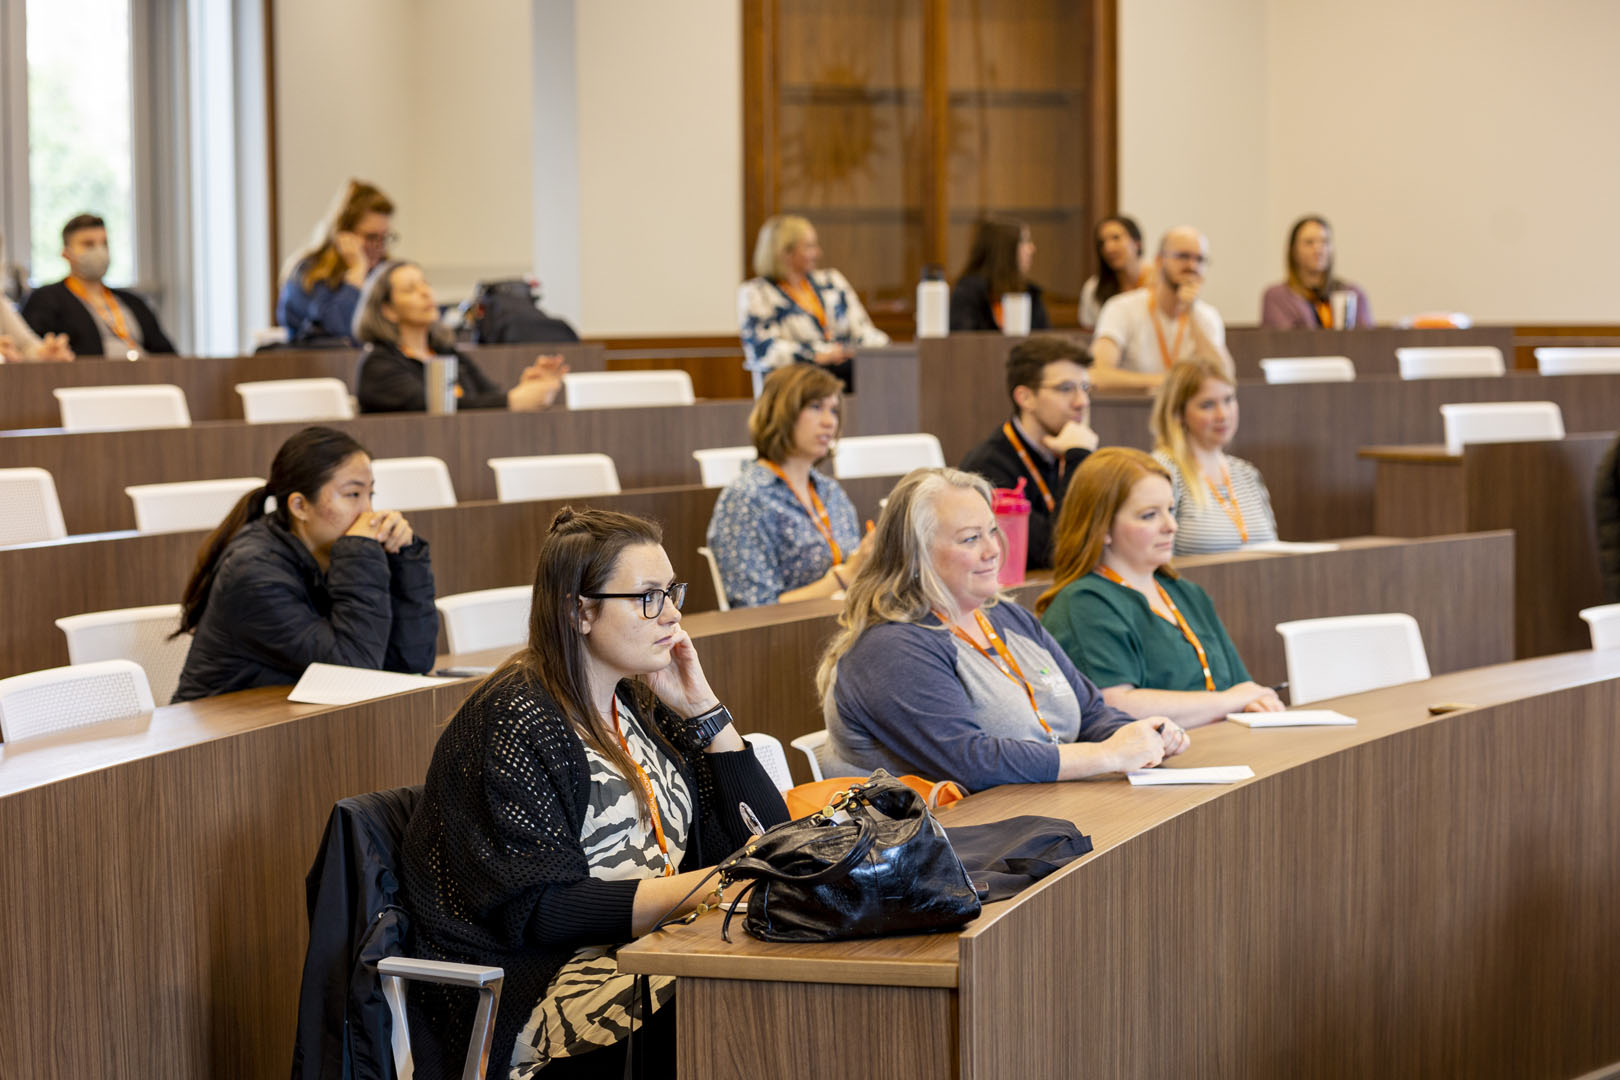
{"points": [[894, 125]]}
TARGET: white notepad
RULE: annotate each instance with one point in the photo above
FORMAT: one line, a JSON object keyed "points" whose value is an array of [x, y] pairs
{"points": [[1289, 547], [1293, 718], [1210, 774], [333, 684]]}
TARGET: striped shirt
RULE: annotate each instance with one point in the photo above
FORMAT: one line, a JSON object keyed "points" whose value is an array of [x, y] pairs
{"points": [[1206, 529]]}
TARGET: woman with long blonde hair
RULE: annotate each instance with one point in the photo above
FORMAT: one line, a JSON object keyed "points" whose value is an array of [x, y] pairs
{"points": [[1121, 613], [933, 672]]}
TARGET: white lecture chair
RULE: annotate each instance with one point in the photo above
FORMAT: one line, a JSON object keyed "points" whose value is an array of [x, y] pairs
{"points": [[140, 634], [768, 749], [885, 455], [64, 698], [1501, 421], [817, 746], [1304, 369], [109, 408], [714, 575], [1604, 622], [411, 483], [283, 400], [187, 504], [626, 389], [1578, 361], [554, 476], [1347, 654], [486, 619], [1450, 362], [720, 465], [29, 508]]}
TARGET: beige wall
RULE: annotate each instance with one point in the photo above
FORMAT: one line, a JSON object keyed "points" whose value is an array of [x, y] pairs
{"points": [[1463, 150]]}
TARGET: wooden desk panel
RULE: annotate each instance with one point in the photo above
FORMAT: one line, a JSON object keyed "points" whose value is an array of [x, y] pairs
{"points": [[210, 382], [1372, 350], [1353, 887], [1544, 491], [1305, 438], [475, 546]]}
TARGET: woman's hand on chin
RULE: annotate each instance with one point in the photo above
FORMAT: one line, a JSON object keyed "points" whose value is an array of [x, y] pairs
{"points": [[682, 685]]}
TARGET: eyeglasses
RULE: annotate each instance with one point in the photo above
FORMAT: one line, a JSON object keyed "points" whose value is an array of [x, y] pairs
{"points": [[380, 239], [1187, 256], [652, 601], [1068, 389]]}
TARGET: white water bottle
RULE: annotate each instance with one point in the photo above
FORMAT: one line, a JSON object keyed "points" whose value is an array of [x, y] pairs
{"points": [[1015, 314], [933, 303]]}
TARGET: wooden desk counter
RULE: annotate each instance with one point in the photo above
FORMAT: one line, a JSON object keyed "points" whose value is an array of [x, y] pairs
{"points": [[1371, 349], [1410, 896], [1543, 491], [762, 661], [1305, 438], [210, 382]]}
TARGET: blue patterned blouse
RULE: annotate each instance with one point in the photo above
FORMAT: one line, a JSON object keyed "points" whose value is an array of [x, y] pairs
{"points": [[763, 538], [777, 331]]}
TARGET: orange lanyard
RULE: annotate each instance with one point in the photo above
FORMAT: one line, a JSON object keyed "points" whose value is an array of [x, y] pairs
{"points": [[1186, 631], [1004, 661], [647, 789], [1229, 502], [1168, 352], [816, 509], [804, 294], [1324, 314], [106, 308], [1029, 464], [995, 312]]}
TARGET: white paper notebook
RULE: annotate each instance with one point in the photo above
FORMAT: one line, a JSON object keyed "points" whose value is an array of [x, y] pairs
{"points": [[1293, 718], [1289, 547], [1210, 774], [333, 684]]}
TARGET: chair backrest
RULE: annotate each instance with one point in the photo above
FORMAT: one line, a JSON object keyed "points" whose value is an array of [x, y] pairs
{"points": [[140, 634], [714, 575], [626, 389], [1587, 361], [1450, 361], [719, 466], [811, 746], [1347, 654], [187, 504], [29, 508], [1501, 421], [64, 698], [1604, 622], [768, 748], [1303, 369], [108, 408], [411, 483], [282, 400], [554, 476], [486, 619], [886, 455]]}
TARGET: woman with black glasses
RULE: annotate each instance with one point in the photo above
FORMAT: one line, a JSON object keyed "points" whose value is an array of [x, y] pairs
{"points": [[576, 797]]}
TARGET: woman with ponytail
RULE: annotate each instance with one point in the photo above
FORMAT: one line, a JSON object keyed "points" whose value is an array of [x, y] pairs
{"points": [[577, 796], [315, 577]]}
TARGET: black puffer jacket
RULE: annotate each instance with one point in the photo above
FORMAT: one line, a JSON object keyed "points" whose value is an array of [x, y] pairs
{"points": [[1608, 522], [272, 612]]}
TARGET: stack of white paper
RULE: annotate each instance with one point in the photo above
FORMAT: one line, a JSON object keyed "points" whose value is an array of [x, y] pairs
{"points": [[1210, 774], [1292, 718], [333, 684]]}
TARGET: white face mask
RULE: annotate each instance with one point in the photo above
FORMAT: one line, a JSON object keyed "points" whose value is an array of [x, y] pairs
{"points": [[92, 264]]}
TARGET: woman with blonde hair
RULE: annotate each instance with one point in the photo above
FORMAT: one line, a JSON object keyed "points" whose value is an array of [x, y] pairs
{"points": [[1119, 610], [932, 672], [321, 288], [1221, 501], [783, 531], [793, 312]]}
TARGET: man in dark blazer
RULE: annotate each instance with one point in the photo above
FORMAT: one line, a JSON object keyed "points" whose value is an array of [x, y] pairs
{"points": [[97, 320]]}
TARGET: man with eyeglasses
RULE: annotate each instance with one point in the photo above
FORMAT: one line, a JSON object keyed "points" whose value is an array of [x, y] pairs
{"points": [[1142, 332], [97, 320], [1048, 436]]}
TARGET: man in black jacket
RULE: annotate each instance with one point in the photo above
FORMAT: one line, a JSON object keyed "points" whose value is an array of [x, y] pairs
{"points": [[98, 321], [1047, 437]]}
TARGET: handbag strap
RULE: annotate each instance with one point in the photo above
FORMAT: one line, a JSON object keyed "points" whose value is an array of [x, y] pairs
{"points": [[759, 868]]}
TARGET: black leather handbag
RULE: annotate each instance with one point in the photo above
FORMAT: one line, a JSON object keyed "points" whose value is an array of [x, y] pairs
{"points": [[886, 868]]}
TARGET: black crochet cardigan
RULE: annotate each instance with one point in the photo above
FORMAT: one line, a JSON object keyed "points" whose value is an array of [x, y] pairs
{"points": [[493, 868]]}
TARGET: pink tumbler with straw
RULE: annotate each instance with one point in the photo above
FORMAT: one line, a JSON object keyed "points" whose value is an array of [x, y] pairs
{"points": [[1012, 516]]}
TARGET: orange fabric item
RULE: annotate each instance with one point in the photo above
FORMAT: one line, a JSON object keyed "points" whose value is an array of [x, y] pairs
{"points": [[806, 799], [804, 294]]}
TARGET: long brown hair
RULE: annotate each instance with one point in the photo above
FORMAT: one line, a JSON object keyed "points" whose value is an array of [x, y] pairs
{"points": [[580, 551], [1297, 283], [323, 263], [303, 465], [1099, 488], [995, 256], [1168, 420]]}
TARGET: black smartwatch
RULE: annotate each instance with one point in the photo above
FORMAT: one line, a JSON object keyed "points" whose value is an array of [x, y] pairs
{"points": [[699, 731]]}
